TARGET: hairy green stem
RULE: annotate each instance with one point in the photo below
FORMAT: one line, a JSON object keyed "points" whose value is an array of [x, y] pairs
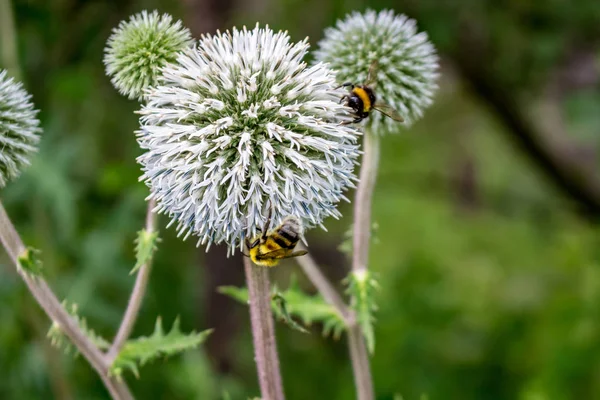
{"points": [[360, 364], [360, 258], [363, 202], [137, 295], [263, 331], [51, 305]]}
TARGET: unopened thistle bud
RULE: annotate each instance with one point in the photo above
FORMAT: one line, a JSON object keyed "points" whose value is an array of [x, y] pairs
{"points": [[139, 48], [407, 64], [239, 124], [19, 128]]}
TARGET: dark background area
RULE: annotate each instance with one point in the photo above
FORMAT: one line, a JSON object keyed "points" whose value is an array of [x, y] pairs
{"points": [[487, 253]]}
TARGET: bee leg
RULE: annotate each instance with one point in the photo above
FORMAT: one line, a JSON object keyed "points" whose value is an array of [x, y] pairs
{"points": [[357, 120], [344, 98], [346, 84], [247, 242]]}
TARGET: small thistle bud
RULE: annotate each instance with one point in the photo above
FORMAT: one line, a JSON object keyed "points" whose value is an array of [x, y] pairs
{"points": [[139, 48], [19, 128], [407, 64], [240, 124]]}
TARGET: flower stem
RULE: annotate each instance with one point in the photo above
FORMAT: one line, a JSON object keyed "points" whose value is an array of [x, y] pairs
{"points": [[363, 201], [360, 363], [263, 331], [329, 293], [360, 258], [137, 295], [47, 300]]}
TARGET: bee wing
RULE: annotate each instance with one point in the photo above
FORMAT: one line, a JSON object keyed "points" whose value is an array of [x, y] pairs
{"points": [[275, 254], [372, 75], [388, 111], [280, 254]]}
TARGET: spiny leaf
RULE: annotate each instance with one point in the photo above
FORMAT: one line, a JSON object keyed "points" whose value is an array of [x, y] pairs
{"points": [[361, 288], [297, 303], [145, 246], [346, 245], [281, 310], [30, 262], [61, 341], [139, 351]]}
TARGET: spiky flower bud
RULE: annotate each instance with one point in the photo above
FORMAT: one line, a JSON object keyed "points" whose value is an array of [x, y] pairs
{"points": [[406, 73], [241, 124], [139, 48], [19, 128]]}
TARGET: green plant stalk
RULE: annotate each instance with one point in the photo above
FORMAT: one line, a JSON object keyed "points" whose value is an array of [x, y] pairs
{"points": [[360, 258], [263, 331], [49, 302], [360, 363], [363, 202], [137, 295]]}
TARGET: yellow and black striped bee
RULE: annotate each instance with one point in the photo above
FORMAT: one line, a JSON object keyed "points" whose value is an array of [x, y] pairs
{"points": [[273, 246], [362, 99]]}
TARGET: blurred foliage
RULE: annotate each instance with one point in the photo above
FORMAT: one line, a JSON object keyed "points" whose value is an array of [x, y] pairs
{"points": [[495, 298]]}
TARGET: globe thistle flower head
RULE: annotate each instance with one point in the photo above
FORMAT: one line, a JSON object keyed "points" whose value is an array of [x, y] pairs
{"points": [[139, 48], [406, 62], [240, 124], [19, 128]]}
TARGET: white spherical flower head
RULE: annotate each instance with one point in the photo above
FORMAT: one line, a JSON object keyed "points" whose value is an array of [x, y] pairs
{"points": [[139, 48], [240, 125], [406, 62], [19, 128]]}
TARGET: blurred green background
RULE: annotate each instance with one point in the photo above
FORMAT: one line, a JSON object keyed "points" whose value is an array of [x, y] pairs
{"points": [[488, 250]]}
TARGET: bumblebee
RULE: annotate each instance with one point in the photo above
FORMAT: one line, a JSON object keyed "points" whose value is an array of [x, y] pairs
{"points": [[362, 99], [272, 246]]}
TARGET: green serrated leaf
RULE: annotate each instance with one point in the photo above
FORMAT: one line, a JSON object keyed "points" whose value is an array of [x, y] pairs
{"points": [[298, 304], [361, 288], [139, 351], [29, 261], [145, 246], [61, 341], [281, 310]]}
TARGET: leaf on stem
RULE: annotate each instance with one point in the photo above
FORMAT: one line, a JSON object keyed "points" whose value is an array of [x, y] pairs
{"points": [[139, 351], [281, 310], [295, 303], [346, 245], [361, 288], [61, 341], [145, 246], [30, 262]]}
